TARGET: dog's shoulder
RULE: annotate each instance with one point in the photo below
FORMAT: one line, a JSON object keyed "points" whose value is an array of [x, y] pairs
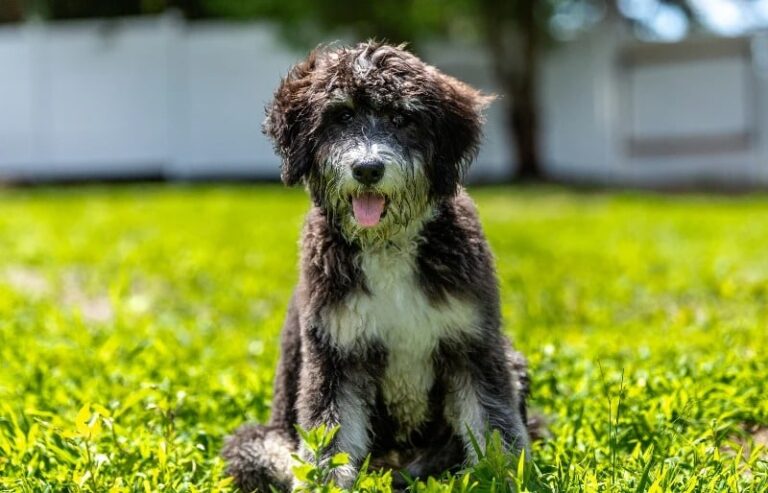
{"points": [[454, 257]]}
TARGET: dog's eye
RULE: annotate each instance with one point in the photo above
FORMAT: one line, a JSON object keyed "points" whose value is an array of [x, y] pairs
{"points": [[399, 120], [344, 116]]}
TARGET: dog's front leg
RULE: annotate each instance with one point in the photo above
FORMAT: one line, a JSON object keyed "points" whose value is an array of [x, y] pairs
{"points": [[335, 390], [483, 398]]}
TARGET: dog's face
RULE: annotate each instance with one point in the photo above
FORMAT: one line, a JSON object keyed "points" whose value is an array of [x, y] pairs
{"points": [[376, 134]]}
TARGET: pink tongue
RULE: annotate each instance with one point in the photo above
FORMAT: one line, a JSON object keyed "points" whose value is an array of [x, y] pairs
{"points": [[368, 209]]}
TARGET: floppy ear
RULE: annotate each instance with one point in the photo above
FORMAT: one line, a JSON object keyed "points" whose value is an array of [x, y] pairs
{"points": [[287, 121], [458, 130]]}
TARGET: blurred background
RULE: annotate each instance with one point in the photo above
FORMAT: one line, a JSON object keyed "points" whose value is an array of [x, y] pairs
{"points": [[659, 93]]}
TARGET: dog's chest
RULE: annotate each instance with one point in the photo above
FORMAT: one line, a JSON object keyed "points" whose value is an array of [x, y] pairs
{"points": [[397, 314]]}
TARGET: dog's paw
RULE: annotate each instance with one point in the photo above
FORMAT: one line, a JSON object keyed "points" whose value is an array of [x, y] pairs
{"points": [[344, 476], [259, 457]]}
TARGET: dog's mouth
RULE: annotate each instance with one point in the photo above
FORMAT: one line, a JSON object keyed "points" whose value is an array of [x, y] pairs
{"points": [[369, 208]]}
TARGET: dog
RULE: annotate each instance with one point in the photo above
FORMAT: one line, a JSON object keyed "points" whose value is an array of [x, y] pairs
{"points": [[394, 329]]}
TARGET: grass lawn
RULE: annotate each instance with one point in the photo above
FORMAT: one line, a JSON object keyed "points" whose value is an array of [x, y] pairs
{"points": [[139, 325]]}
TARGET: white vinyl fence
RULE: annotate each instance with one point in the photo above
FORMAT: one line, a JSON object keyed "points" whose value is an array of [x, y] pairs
{"points": [[145, 97], [158, 96], [690, 113]]}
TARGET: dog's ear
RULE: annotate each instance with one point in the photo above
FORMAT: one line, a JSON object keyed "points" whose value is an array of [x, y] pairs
{"points": [[288, 120], [458, 131]]}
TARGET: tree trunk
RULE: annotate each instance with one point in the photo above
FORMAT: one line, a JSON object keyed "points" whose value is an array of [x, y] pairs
{"points": [[515, 60], [522, 129], [524, 112], [11, 11]]}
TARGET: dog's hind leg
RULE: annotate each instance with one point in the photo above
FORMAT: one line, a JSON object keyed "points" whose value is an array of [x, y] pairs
{"points": [[518, 370], [259, 457]]}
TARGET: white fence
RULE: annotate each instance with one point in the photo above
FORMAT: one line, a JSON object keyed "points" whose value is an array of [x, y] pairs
{"points": [[136, 97], [159, 96], [146, 96], [695, 112]]}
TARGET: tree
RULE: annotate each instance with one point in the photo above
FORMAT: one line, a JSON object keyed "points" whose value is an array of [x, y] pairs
{"points": [[11, 11], [514, 36], [513, 32]]}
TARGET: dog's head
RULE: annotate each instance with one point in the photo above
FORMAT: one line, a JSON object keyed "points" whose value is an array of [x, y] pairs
{"points": [[377, 135]]}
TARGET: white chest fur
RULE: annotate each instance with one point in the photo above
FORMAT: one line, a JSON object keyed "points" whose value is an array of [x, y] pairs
{"points": [[397, 314]]}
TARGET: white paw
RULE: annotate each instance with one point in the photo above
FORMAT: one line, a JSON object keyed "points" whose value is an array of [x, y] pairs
{"points": [[344, 476]]}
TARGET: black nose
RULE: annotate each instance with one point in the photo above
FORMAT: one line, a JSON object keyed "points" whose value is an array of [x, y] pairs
{"points": [[368, 172]]}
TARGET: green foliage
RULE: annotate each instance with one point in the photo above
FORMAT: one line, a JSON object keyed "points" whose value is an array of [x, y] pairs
{"points": [[496, 470], [139, 326], [305, 22], [315, 475]]}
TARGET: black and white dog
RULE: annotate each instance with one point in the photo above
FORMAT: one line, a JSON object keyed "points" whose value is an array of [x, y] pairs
{"points": [[393, 332]]}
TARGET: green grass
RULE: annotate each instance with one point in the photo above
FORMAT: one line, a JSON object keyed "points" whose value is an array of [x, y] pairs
{"points": [[139, 325]]}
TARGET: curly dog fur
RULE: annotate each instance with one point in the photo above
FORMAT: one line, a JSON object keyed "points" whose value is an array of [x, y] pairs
{"points": [[394, 330]]}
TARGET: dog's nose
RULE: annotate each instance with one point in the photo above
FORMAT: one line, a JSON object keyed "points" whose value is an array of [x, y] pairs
{"points": [[368, 172]]}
